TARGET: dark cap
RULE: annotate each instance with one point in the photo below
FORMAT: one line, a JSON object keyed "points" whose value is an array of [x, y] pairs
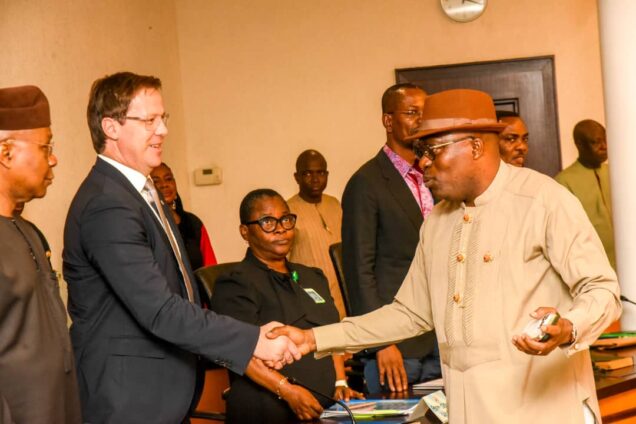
{"points": [[23, 108]]}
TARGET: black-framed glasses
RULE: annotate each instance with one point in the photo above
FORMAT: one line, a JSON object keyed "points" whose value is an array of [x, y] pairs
{"points": [[430, 151], [151, 123], [49, 146], [269, 224]]}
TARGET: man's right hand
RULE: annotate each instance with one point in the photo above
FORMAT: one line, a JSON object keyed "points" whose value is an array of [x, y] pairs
{"points": [[303, 339], [391, 368], [275, 352]]}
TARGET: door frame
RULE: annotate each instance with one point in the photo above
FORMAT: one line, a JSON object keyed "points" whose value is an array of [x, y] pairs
{"points": [[543, 123]]}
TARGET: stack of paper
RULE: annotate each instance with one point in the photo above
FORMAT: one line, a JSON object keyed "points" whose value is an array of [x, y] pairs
{"points": [[436, 401], [371, 409], [608, 361], [615, 340], [437, 384]]}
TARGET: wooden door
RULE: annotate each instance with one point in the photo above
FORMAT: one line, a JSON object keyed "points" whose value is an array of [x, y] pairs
{"points": [[525, 86]]}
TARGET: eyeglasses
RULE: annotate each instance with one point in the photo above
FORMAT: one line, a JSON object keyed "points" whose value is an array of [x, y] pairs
{"points": [[411, 113], [430, 151], [151, 123], [49, 146], [269, 224]]}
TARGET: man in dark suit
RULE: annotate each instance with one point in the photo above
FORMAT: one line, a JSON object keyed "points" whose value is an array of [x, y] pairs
{"points": [[137, 324], [384, 205]]}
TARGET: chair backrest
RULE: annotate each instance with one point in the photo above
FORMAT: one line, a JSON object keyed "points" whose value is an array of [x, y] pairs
{"points": [[335, 252], [207, 275]]}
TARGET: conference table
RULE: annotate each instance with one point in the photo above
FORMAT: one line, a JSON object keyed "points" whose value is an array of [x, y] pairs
{"points": [[429, 418], [616, 392]]}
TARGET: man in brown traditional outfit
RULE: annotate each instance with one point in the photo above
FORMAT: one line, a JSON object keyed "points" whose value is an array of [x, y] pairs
{"points": [[37, 375], [505, 244]]}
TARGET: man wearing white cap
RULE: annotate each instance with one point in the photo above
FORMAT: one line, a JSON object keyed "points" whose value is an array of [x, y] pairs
{"points": [[37, 374]]}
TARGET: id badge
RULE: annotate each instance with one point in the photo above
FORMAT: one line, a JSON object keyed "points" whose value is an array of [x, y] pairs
{"points": [[314, 295]]}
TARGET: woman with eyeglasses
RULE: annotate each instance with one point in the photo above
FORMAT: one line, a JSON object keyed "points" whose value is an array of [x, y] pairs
{"points": [[193, 232], [266, 287]]}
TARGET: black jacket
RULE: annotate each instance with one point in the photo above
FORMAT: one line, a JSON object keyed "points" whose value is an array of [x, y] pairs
{"points": [[256, 294], [135, 335], [380, 231]]}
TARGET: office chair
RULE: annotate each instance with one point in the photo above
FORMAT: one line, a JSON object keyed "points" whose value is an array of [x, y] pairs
{"points": [[335, 253], [355, 377], [207, 275], [210, 391]]}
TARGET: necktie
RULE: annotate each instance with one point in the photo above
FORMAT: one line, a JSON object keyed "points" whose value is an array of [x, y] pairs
{"points": [[156, 204]]}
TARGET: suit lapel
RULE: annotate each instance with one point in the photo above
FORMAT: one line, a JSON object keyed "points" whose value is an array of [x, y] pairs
{"points": [[111, 172], [400, 192]]}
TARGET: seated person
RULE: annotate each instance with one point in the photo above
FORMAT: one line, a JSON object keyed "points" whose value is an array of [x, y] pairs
{"points": [[513, 140], [266, 287], [193, 232]]}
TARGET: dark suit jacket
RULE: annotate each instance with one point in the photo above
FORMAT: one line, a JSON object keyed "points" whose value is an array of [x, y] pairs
{"points": [[256, 294], [135, 335], [380, 231]]}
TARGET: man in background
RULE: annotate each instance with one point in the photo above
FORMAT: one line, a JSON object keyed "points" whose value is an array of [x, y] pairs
{"points": [[384, 205], [319, 220], [513, 140], [588, 179], [138, 327], [38, 384]]}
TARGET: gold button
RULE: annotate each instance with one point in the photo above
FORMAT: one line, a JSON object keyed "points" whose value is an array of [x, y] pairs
{"points": [[466, 218], [488, 257], [456, 297], [48, 253], [460, 257]]}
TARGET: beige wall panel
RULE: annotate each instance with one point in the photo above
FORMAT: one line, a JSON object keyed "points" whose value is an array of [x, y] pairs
{"points": [[63, 46], [252, 83], [264, 80]]}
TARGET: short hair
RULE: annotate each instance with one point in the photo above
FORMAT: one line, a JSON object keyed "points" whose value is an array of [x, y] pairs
{"points": [[247, 204], [390, 96], [304, 157], [582, 129], [110, 97], [506, 114]]}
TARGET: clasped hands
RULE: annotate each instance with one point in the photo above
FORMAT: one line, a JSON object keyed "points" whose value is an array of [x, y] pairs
{"points": [[279, 345]]}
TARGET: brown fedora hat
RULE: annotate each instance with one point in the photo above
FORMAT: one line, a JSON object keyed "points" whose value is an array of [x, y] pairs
{"points": [[453, 110]]}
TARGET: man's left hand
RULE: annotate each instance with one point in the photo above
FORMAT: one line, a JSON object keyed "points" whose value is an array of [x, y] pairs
{"points": [[560, 333]]}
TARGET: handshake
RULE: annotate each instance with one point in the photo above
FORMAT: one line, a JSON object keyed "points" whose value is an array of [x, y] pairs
{"points": [[279, 345]]}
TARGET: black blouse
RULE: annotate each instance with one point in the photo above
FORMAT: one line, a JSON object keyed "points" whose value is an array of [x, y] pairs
{"points": [[254, 293]]}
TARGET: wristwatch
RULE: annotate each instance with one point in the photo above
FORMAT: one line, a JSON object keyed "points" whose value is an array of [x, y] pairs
{"points": [[573, 335]]}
